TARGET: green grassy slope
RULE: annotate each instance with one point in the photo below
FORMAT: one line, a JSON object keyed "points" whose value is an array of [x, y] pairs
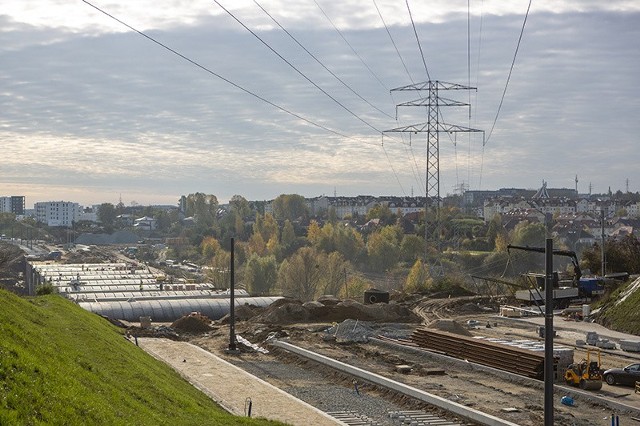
{"points": [[622, 316], [62, 365]]}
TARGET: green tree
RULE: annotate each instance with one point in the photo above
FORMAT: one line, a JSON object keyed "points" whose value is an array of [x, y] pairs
{"points": [[107, 215], [260, 274], [209, 247], [355, 287], [411, 248], [334, 269], [240, 205], [528, 234], [288, 234], [203, 208], [300, 276], [267, 227], [383, 248], [383, 213], [495, 229], [290, 206]]}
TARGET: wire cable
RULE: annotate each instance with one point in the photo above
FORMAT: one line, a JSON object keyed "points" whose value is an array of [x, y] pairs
{"points": [[513, 62], [296, 69], [226, 80], [350, 46], [392, 168], [418, 40], [320, 62], [393, 42]]}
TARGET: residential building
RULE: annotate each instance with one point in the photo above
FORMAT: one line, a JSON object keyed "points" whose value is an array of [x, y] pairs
{"points": [[57, 213], [13, 204]]}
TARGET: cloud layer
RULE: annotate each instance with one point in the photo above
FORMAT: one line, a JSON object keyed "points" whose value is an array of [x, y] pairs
{"points": [[90, 112]]}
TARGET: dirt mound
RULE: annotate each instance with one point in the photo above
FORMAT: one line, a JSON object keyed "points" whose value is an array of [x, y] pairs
{"points": [[242, 313], [294, 311], [192, 323], [449, 325]]}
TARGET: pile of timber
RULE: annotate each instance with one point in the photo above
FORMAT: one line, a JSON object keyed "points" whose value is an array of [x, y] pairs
{"points": [[509, 358]]}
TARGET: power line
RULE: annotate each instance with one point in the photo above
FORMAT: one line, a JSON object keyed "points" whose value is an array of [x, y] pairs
{"points": [[418, 40], [414, 171], [393, 41], [320, 62], [296, 69], [226, 80], [350, 46], [391, 165], [513, 62]]}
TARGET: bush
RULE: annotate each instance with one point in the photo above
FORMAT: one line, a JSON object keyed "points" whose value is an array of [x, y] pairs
{"points": [[43, 289]]}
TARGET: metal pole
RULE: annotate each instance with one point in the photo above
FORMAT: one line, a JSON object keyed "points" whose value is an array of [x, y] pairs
{"points": [[602, 253], [548, 335], [232, 300]]}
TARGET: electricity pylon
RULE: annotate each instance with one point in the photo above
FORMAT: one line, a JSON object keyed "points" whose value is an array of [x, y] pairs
{"points": [[433, 127]]}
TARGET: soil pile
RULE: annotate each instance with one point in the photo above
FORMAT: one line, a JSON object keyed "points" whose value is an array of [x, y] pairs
{"points": [[192, 323], [286, 311]]}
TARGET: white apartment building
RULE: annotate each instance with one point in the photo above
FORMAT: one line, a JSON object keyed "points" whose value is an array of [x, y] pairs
{"points": [[57, 213]]}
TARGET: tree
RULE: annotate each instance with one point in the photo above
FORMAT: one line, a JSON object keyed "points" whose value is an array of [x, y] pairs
{"points": [[209, 247], [621, 256], [334, 272], [494, 230], [240, 205], [107, 215], [411, 248], [288, 234], [290, 206], [528, 234], [383, 213], [418, 279], [300, 276], [383, 248], [203, 208], [267, 227], [260, 274]]}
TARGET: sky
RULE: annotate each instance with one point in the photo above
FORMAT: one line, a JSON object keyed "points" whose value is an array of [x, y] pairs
{"points": [[269, 97]]}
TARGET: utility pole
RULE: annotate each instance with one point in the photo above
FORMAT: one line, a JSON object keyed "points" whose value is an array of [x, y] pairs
{"points": [[433, 127]]}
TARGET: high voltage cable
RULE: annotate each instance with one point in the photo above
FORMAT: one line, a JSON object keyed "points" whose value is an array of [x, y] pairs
{"points": [[320, 62], [296, 69], [391, 165], [414, 171], [513, 62], [226, 80], [477, 79], [393, 41], [350, 46], [418, 40], [379, 81]]}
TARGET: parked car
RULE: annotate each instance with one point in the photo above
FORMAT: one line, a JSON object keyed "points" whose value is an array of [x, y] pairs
{"points": [[628, 375]]}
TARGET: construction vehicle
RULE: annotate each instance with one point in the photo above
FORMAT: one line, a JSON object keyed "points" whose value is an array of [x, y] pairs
{"points": [[585, 374]]}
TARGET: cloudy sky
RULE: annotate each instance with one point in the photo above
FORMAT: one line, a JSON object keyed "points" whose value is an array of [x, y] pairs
{"points": [[226, 102]]}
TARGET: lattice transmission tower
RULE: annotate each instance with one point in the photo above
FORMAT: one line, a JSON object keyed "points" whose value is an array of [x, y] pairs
{"points": [[433, 127]]}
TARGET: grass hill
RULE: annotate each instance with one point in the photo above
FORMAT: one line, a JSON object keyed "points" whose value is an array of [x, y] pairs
{"points": [[61, 365], [621, 310]]}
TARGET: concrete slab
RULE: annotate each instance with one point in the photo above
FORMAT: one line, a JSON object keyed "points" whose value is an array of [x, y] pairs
{"points": [[230, 386]]}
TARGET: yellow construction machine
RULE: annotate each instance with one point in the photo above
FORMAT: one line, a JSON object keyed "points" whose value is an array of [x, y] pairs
{"points": [[585, 374]]}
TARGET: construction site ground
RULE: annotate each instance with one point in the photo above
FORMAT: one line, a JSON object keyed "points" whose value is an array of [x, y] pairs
{"points": [[510, 399]]}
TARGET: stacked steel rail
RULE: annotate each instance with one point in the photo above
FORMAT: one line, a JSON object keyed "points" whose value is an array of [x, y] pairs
{"points": [[509, 358]]}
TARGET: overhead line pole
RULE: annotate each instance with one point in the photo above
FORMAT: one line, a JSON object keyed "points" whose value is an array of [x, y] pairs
{"points": [[433, 127]]}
